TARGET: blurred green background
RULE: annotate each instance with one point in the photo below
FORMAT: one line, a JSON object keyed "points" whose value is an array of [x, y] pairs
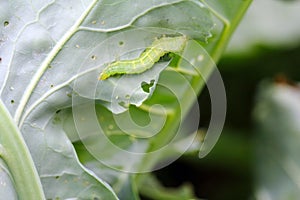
{"points": [[256, 156]]}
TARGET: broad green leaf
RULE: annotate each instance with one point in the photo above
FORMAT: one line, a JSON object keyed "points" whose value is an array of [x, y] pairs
{"points": [[123, 183], [229, 18], [38, 71], [51, 55], [162, 21], [277, 115]]}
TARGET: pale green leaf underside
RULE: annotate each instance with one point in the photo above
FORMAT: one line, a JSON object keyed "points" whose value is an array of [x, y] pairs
{"points": [[46, 46]]}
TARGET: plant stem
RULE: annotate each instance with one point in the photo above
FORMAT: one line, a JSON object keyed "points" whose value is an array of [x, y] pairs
{"points": [[17, 157]]}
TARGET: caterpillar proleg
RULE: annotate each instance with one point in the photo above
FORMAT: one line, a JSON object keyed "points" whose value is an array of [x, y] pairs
{"points": [[147, 59]]}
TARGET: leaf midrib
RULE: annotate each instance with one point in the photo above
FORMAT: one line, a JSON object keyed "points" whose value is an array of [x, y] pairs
{"points": [[43, 67]]}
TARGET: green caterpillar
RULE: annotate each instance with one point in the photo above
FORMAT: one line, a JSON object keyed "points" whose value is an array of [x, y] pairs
{"points": [[147, 59]]}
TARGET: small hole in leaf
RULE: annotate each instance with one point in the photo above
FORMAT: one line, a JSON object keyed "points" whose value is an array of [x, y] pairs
{"points": [[146, 86], [93, 57], [6, 23], [121, 43], [69, 95], [52, 86], [56, 177], [12, 101], [58, 111]]}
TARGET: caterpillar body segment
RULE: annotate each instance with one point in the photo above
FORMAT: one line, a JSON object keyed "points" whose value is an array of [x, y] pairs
{"points": [[147, 59]]}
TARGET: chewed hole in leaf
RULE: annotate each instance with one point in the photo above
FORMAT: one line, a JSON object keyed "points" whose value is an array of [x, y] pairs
{"points": [[6, 23], [69, 94], [121, 43], [146, 86], [12, 101]]}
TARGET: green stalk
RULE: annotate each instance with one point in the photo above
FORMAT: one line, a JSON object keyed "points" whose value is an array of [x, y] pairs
{"points": [[16, 155]]}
